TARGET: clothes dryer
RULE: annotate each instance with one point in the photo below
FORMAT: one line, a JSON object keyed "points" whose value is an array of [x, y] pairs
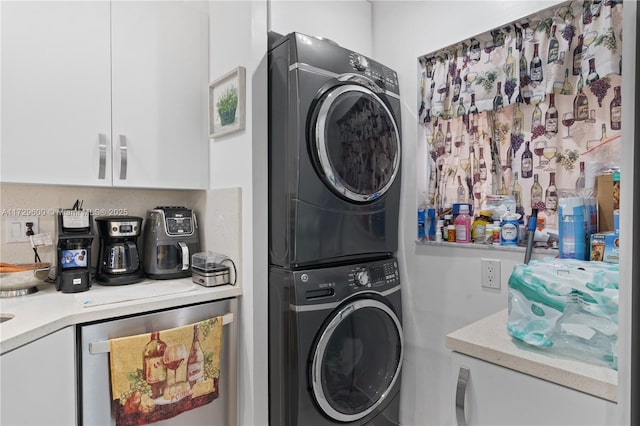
{"points": [[336, 345], [334, 154]]}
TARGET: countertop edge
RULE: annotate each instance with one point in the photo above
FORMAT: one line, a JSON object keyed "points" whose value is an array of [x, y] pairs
{"points": [[52, 321], [594, 380]]}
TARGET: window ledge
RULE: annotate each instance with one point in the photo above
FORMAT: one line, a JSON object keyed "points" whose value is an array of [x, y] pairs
{"points": [[490, 247]]}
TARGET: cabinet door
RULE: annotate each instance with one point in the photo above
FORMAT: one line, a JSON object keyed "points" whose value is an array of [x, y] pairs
{"points": [[500, 396], [160, 94], [38, 382], [56, 94]]}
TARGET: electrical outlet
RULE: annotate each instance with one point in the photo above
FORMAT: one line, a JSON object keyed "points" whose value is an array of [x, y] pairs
{"points": [[490, 272], [16, 228]]}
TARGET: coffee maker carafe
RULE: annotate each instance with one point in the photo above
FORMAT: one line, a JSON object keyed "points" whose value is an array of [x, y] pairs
{"points": [[170, 238], [73, 266], [118, 257]]}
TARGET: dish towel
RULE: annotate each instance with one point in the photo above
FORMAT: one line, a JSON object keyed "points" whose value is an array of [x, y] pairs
{"points": [[158, 375]]}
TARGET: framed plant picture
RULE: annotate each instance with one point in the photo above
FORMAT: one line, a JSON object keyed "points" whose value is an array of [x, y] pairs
{"points": [[227, 103]]}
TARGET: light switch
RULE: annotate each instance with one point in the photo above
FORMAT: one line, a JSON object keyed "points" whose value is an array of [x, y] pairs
{"points": [[16, 228]]}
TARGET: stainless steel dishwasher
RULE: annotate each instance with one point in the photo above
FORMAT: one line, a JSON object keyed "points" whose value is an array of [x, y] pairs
{"points": [[94, 379]]}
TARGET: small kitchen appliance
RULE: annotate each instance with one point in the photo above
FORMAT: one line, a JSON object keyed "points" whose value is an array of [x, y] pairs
{"points": [[209, 269], [118, 256], [75, 235], [170, 238]]}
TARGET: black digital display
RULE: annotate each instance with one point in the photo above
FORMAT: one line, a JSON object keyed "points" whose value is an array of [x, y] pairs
{"points": [[126, 228], [377, 274]]}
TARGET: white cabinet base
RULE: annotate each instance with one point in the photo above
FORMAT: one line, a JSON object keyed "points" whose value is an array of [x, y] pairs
{"points": [[38, 382], [499, 396]]}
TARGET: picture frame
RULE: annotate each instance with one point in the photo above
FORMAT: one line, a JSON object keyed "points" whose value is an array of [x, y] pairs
{"points": [[227, 103]]}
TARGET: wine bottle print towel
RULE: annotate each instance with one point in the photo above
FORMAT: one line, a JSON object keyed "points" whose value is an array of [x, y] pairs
{"points": [[158, 375]]}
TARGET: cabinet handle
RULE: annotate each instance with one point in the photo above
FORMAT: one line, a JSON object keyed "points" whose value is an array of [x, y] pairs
{"points": [[123, 157], [102, 150], [185, 255], [461, 390]]}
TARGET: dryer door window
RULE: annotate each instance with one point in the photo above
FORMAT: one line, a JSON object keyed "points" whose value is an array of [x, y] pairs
{"points": [[357, 360], [356, 143]]}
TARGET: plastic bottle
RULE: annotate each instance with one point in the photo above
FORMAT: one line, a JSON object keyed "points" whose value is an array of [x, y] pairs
{"points": [[430, 224], [439, 226], [488, 233], [496, 233], [422, 216], [479, 226], [463, 225], [448, 220], [477, 231], [509, 230], [451, 233]]}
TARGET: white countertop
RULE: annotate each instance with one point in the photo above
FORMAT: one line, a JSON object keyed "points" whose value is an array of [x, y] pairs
{"points": [[48, 310], [488, 340]]}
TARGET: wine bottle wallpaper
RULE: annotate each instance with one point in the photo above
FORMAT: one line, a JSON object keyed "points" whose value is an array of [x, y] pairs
{"points": [[526, 162], [536, 194], [551, 195], [577, 57], [615, 110], [531, 99], [536, 71], [551, 118], [554, 47]]}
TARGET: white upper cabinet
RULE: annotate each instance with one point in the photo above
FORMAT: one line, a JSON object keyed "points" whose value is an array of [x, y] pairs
{"points": [[105, 94], [160, 93], [56, 92]]}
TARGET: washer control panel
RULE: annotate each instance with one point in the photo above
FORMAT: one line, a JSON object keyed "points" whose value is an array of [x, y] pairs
{"points": [[384, 273], [358, 62], [336, 283], [362, 277], [383, 76], [329, 56]]}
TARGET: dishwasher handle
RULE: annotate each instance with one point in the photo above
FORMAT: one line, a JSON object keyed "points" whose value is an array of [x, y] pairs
{"points": [[102, 347]]}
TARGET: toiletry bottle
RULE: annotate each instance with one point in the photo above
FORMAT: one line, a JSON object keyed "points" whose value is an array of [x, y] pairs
{"points": [[496, 232], [463, 225], [439, 226], [451, 233]]}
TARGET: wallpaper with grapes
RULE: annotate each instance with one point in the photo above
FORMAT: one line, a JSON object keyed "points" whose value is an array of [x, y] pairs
{"points": [[532, 109]]}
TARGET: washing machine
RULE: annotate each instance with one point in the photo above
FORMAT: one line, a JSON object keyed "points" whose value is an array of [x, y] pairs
{"points": [[334, 154], [336, 345]]}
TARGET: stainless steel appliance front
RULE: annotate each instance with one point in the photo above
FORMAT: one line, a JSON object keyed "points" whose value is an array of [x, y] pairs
{"points": [[94, 380]]}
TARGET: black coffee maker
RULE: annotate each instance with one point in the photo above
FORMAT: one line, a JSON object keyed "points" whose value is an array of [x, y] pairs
{"points": [[73, 266], [118, 256]]}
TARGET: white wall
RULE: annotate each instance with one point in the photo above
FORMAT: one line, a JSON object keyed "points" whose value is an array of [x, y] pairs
{"points": [[627, 221], [347, 22], [238, 37], [442, 289]]}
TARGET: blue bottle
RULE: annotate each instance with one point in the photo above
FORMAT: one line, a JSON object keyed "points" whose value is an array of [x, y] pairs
{"points": [[422, 216]]}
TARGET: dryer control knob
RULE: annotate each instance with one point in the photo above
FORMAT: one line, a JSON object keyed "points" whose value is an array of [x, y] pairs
{"points": [[360, 63], [362, 277]]}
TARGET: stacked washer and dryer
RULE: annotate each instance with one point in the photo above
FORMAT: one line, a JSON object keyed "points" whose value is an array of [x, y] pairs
{"points": [[335, 329]]}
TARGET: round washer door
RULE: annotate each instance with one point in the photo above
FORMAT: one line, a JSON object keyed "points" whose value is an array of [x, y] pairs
{"points": [[357, 359], [356, 142]]}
